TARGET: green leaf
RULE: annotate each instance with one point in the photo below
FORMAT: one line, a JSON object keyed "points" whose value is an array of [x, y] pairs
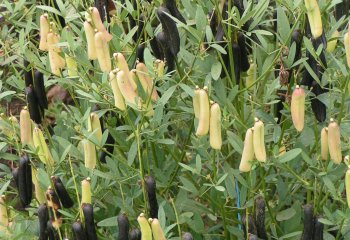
{"points": [[290, 155], [108, 222], [285, 214], [201, 19], [216, 70], [283, 28]]}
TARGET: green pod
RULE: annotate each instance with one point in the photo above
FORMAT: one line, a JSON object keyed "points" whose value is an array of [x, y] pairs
{"points": [[146, 232]]}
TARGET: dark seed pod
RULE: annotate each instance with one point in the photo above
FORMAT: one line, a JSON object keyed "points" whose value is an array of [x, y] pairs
{"points": [[260, 217], [169, 57], [244, 54], [43, 215], [39, 89], [156, 49], [308, 222], [150, 183], [15, 175], [33, 105], [123, 225], [316, 43], [28, 74], [89, 221], [52, 199], [170, 29], [318, 231], [109, 146], [319, 108], [135, 234], [102, 7], [171, 5], [307, 78], [250, 228], [52, 233], [62, 193], [78, 231], [187, 236], [139, 52], [297, 38], [25, 181]]}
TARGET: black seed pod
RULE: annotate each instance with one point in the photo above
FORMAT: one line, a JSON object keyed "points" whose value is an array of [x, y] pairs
{"points": [[169, 57], [187, 236], [307, 78], [43, 215], [308, 222], [260, 217], [135, 234], [25, 181], [319, 108], [102, 7], [39, 89], [139, 52], [123, 225], [244, 54], [53, 235], [297, 38], [28, 74], [89, 221], [33, 105], [318, 231], [250, 228], [170, 29], [62, 193], [78, 230], [109, 146], [171, 5], [156, 49], [52, 199], [150, 183]]}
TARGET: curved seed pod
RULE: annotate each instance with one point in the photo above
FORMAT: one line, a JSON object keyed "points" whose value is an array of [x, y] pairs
{"points": [[44, 153], [52, 199], [308, 222], [260, 217], [259, 141], [89, 154], [39, 192], [298, 108], [169, 57], [318, 230], [90, 40], [25, 127], [135, 234], [204, 113], [86, 191], [146, 80], [248, 152], [25, 180], [102, 51], [314, 16], [139, 52], [78, 231], [123, 226], [156, 48], [126, 89], [250, 75], [44, 30], [187, 236], [33, 106], [159, 66], [53, 235], [195, 101], [332, 44], [39, 89], [157, 230], [170, 30], [215, 127], [244, 61], [150, 183], [171, 5], [146, 233], [324, 144], [347, 47], [319, 108], [89, 221], [72, 66], [28, 73], [56, 61], [43, 215], [15, 175], [123, 65], [94, 125], [297, 38], [4, 222], [62, 193], [248, 225], [109, 146], [96, 19], [334, 142], [118, 97], [347, 186]]}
